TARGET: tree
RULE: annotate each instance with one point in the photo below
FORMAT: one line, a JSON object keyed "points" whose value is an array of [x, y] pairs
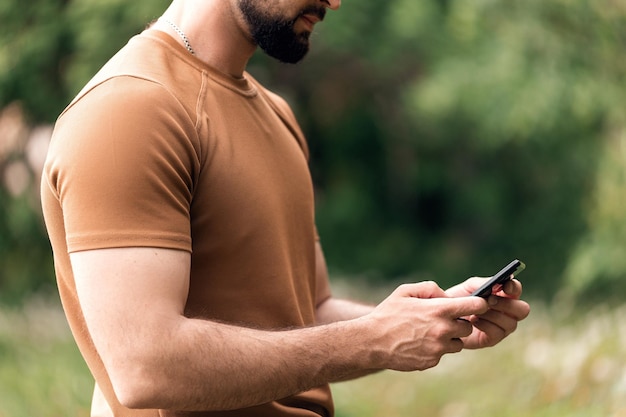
{"points": [[447, 137]]}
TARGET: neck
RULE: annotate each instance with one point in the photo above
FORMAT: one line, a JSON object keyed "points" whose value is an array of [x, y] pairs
{"points": [[214, 30]]}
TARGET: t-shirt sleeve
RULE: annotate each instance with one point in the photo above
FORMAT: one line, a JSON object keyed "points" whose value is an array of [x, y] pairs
{"points": [[124, 163]]}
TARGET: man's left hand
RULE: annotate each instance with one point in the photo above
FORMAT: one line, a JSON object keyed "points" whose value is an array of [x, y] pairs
{"points": [[506, 310]]}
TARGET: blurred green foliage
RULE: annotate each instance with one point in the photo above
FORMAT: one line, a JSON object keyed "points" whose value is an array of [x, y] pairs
{"points": [[41, 370], [447, 136]]}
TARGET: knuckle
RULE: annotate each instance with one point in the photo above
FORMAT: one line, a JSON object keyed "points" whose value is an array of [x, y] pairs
{"points": [[430, 284], [439, 332], [402, 288], [431, 362]]}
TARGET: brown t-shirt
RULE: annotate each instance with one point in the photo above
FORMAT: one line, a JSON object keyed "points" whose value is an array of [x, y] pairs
{"points": [[160, 150]]}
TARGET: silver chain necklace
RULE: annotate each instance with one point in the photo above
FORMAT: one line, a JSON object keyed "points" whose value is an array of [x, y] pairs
{"points": [[182, 36]]}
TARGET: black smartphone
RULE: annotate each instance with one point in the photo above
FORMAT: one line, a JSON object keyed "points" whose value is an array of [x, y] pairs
{"points": [[505, 274]]}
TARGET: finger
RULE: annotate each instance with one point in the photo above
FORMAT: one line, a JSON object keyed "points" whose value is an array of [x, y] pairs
{"points": [[512, 289], [514, 308], [455, 345], [464, 327], [491, 333], [492, 319], [453, 330]]}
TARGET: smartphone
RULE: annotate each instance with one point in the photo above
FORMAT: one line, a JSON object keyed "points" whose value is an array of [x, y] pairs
{"points": [[505, 274]]}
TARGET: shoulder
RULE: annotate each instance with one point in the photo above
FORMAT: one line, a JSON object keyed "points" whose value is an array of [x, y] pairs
{"points": [[120, 91], [127, 106], [148, 74], [121, 123]]}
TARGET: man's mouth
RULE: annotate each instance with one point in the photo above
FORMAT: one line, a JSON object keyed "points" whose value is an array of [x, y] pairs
{"points": [[309, 21], [311, 15]]}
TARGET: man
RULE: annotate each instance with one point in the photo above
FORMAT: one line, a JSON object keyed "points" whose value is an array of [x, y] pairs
{"points": [[180, 211]]}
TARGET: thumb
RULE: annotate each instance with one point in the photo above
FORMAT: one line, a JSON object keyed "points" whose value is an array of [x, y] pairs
{"points": [[463, 306]]}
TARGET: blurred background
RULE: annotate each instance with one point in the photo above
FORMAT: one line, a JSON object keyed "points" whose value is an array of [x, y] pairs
{"points": [[448, 137]]}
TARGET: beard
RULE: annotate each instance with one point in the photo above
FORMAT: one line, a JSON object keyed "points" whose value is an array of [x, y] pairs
{"points": [[275, 35]]}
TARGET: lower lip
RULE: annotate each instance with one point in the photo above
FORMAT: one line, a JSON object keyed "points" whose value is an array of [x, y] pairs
{"points": [[308, 23]]}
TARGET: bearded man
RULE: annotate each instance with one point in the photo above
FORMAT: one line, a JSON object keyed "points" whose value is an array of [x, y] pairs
{"points": [[180, 210]]}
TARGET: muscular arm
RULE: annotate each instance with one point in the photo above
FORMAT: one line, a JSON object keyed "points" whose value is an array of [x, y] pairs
{"points": [[133, 301]]}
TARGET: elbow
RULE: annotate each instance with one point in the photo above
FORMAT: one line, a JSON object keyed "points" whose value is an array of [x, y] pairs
{"points": [[138, 386], [135, 396], [143, 371]]}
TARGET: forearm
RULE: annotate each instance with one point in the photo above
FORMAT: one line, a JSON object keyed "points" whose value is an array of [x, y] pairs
{"points": [[204, 365], [334, 310]]}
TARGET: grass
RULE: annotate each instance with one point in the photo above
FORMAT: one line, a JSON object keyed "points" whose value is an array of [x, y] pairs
{"points": [[559, 363], [555, 365], [41, 371]]}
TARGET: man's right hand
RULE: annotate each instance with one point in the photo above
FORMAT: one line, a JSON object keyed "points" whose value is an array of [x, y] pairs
{"points": [[418, 324]]}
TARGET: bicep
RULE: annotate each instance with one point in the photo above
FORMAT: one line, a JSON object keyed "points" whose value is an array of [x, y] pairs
{"points": [[127, 294]]}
